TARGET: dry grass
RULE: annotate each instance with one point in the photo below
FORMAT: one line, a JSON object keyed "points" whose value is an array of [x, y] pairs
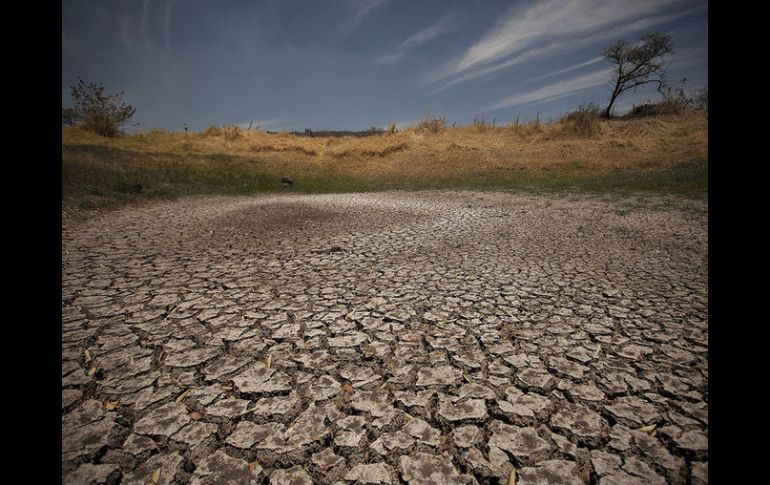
{"points": [[428, 155]]}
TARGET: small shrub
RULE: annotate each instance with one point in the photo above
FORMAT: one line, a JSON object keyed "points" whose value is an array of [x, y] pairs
{"points": [[432, 125], [584, 123], [480, 123], [674, 102], [100, 124], [212, 131], [96, 111], [231, 132]]}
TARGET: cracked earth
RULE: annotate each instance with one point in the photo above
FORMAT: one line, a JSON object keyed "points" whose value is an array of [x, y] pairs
{"points": [[421, 338]]}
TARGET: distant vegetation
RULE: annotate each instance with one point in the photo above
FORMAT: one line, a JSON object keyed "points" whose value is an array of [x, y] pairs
{"points": [[583, 123], [579, 152], [674, 101], [658, 146], [95, 111]]}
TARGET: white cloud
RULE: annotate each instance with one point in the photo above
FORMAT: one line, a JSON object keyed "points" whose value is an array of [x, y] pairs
{"points": [[359, 10], [555, 90], [124, 24], [567, 69], [557, 26], [167, 24], [442, 26]]}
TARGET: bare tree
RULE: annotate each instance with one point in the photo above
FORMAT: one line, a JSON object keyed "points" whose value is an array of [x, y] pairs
{"points": [[636, 65]]}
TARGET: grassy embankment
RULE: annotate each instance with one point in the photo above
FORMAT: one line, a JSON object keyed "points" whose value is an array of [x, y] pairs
{"points": [[666, 154]]}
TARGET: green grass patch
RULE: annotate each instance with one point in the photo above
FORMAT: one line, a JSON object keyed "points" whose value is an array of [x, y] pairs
{"points": [[99, 177]]}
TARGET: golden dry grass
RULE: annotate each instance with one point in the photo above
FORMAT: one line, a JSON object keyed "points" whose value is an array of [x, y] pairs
{"points": [[474, 155]]}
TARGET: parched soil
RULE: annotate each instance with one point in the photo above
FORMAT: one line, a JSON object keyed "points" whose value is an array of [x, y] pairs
{"points": [[430, 337]]}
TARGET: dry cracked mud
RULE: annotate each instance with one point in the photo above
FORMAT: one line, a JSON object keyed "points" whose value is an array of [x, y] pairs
{"points": [[421, 338]]}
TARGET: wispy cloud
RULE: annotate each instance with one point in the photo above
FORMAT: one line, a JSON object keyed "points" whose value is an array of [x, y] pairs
{"points": [[567, 69], [555, 90], [442, 26], [556, 26], [166, 26], [124, 25], [154, 21], [597, 78], [143, 25], [360, 9]]}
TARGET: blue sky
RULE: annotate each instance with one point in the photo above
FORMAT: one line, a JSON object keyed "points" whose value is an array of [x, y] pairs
{"points": [[352, 64]]}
